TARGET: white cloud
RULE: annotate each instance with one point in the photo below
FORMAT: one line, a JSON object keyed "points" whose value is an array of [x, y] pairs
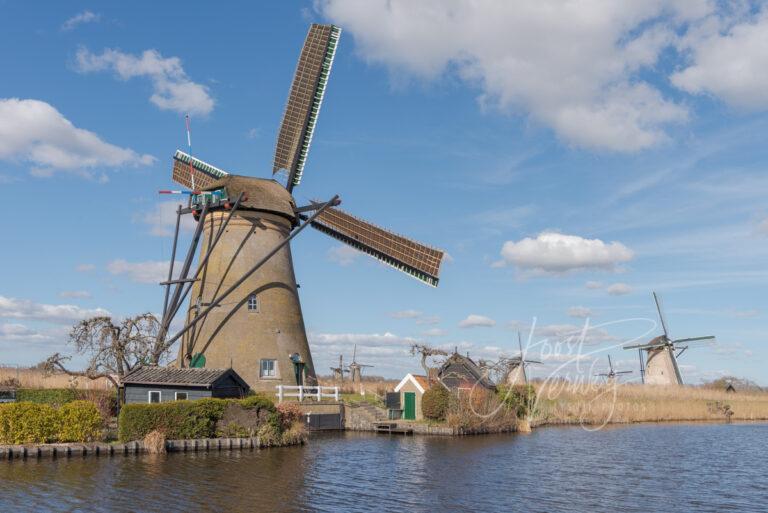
{"points": [[579, 312], [731, 64], [618, 289], [428, 320], [570, 333], [552, 252], [584, 79], [142, 272], [75, 294], [25, 309], [746, 314], [84, 268], [477, 321], [172, 88], [80, 19], [343, 255], [161, 219], [593, 285], [406, 314], [20, 333], [35, 132], [434, 332]]}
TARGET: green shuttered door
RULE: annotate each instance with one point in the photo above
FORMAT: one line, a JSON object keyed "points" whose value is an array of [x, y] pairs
{"points": [[409, 411]]}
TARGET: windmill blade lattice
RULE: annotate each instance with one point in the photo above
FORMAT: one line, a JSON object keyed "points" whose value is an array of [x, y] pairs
{"points": [[406, 255], [304, 101]]}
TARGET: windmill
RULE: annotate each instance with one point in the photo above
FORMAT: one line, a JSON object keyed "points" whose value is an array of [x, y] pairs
{"points": [[249, 320], [338, 372], [610, 376], [659, 367], [515, 366], [355, 369]]}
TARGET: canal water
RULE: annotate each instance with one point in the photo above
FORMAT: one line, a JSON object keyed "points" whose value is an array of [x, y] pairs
{"points": [[643, 468]]}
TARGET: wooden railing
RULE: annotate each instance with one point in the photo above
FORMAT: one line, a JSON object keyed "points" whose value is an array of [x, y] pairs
{"points": [[306, 392]]}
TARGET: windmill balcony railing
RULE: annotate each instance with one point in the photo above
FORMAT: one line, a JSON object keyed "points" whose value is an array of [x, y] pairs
{"points": [[301, 392]]}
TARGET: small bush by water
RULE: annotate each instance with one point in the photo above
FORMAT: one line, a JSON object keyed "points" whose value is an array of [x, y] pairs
{"points": [[27, 422], [435, 402]]}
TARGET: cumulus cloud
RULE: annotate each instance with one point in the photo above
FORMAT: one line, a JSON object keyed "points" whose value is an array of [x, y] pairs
{"points": [[75, 294], [172, 88], [477, 321], [618, 289], [585, 79], [80, 19], [731, 63], [141, 272], [555, 253], [20, 333], [579, 312], [406, 314], [343, 255], [34, 132], [161, 219], [12, 308]]}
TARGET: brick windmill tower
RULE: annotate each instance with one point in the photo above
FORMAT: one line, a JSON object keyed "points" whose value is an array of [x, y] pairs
{"points": [[244, 310]]}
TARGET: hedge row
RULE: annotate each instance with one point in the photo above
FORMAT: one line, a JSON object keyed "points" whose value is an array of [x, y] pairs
{"points": [[28, 422], [182, 419], [52, 396]]}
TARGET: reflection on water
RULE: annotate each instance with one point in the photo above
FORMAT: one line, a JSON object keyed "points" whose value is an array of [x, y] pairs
{"points": [[659, 468]]}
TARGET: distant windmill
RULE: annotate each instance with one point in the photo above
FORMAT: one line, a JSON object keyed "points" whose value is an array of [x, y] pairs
{"points": [[355, 369], [515, 366], [610, 376], [338, 372], [660, 364]]}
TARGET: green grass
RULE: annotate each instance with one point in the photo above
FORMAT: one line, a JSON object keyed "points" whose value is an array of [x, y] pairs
{"points": [[358, 399]]}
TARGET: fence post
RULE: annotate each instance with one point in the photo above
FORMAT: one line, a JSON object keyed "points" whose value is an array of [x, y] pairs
{"points": [[279, 393], [301, 393], [336, 393], [319, 393]]}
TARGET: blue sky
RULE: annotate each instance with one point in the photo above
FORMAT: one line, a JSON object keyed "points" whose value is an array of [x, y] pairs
{"points": [[570, 160]]}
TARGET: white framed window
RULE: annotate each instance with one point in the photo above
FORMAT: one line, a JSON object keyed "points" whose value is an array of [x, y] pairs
{"points": [[181, 396], [268, 368], [154, 396], [253, 303]]}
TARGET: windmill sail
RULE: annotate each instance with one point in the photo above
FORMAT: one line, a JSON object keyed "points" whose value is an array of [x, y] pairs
{"points": [[304, 101], [184, 166], [413, 258]]}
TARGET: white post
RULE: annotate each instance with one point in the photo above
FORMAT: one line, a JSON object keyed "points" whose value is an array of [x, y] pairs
{"points": [[279, 393], [319, 393], [336, 394], [301, 393]]}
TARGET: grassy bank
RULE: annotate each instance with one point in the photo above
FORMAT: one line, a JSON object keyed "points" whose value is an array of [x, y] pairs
{"points": [[562, 403]]}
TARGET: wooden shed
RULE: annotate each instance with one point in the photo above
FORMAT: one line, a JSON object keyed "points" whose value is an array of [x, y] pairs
{"points": [[411, 390], [163, 384], [461, 373]]}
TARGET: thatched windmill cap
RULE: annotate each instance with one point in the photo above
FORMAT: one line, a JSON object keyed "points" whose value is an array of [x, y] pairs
{"points": [[260, 194]]}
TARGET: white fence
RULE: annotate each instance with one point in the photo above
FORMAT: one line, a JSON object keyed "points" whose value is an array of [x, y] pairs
{"points": [[302, 392]]}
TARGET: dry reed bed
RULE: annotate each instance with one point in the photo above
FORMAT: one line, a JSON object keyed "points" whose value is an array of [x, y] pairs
{"points": [[560, 403], [36, 378]]}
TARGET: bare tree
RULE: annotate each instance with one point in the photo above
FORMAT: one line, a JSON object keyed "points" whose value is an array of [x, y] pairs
{"points": [[113, 350], [426, 352]]}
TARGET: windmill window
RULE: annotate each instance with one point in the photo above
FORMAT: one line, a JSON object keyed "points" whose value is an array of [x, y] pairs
{"points": [[154, 396], [253, 303], [268, 368], [181, 396]]}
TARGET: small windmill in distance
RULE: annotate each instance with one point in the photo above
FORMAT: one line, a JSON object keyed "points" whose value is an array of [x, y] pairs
{"points": [[660, 364], [610, 376], [355, 369], [515, 373], [338, 372]]}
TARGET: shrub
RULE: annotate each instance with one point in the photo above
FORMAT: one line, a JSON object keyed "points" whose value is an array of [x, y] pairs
{"points": [[518, 398], [80, 421], [289, 413], [52, 396], [27, 423], [435, 402], [189, 419], [270, 433]]}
